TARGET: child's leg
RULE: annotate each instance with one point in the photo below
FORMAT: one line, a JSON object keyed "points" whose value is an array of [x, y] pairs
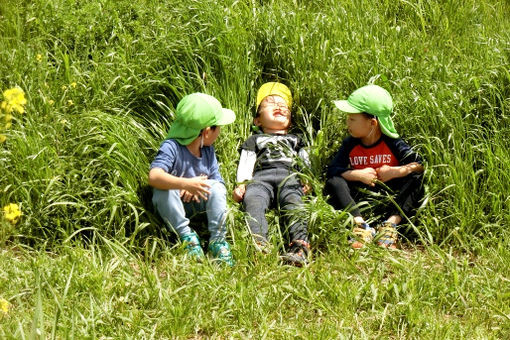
{"points": [[171, 209], [409, 193], [341, 198], [216, 208], [340, 195], [290, 200], [256, 200]]}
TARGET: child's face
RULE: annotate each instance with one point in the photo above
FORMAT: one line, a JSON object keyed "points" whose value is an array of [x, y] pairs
{"points": [[210, 135], [359, 125], [274, 114]]}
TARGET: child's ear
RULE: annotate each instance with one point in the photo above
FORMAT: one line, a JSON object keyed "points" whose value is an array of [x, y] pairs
{"points": [[206, 131], [256, 121]]}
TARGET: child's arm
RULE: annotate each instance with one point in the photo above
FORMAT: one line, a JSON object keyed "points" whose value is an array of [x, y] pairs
{"points": [[197, 187], [367, 176], [305, 157], [410, 162], [244, 173], [386, 172]]}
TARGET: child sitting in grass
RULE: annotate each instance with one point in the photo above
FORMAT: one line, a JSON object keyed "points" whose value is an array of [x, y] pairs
{"points": [[185, 175], [267, 172], [373, 158]]}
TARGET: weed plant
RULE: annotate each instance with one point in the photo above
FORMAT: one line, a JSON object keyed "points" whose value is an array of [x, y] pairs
{"points": [[90, 259]]}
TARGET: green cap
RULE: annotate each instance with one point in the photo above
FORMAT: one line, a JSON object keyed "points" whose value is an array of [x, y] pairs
{"points": [[195, 112], [374, 100]]}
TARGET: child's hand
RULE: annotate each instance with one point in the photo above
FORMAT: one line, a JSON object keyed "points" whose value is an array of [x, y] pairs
{"points": [[307, 188], [187, 197], [239, 192], [386, 173], [195, 188], [367, 176]]}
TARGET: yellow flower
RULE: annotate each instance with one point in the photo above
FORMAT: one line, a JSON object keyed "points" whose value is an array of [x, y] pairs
{"points": [[12, 213], [70, 102], [14, 100], [64, 87], [38, 57], [4, 305], [51, 102], [73, 84], [2, 138]]}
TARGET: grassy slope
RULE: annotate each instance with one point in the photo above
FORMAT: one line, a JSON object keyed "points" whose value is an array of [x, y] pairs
{"points": [[77, 163]]}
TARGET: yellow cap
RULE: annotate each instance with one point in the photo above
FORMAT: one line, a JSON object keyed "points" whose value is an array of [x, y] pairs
{"points": [[276, 89]]}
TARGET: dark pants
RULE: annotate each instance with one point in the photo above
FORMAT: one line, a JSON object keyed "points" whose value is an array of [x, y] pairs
{"points": [[275, 186], [408, 192]]}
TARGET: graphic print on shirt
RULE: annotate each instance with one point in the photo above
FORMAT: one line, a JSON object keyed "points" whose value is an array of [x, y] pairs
{"points": [[275, 149], [361, 157]]}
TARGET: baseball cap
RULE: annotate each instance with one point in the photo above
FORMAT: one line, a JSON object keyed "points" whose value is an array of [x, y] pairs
{"points": [[374, 100], [195, 112], [276, 89]]}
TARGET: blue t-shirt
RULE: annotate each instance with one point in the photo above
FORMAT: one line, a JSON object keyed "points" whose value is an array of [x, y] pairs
{"points": [[178, 161]]}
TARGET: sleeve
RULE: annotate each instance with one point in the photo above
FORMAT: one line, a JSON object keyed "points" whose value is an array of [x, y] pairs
{"points": [[302, 152], [404, 152], [215, 168], [250, 144], [165, 158], [246, 165], [340, 162]]}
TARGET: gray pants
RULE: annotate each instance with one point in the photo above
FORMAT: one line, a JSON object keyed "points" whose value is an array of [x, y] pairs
{"points": [[275, 186]]}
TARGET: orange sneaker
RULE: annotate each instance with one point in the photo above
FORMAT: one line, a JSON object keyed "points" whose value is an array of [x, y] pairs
{"points": [[363, 234]]}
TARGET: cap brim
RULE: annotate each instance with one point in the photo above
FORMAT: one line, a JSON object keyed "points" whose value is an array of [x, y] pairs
{"points": [[227, 117], [343, 105]]}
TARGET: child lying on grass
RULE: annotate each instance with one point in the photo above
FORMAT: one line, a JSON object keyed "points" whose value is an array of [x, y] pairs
{"points": [[267, 172]]}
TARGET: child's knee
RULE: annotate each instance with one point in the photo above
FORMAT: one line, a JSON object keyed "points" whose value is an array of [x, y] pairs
{"points": [[164, 197], [217, 188]]}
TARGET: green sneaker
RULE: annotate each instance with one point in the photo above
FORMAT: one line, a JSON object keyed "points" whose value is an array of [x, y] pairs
{"points": [[193, 246], [220, 251]]}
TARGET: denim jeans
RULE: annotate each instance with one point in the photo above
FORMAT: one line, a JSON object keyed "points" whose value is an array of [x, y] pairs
{"points": [[177, 213]]}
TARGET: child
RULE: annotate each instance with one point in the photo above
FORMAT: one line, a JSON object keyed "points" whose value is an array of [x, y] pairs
{"points": [[185, 175], [373, 154], [267, 171]]}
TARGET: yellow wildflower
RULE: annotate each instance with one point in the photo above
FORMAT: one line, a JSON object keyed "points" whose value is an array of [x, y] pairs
{"points": [[14, 100], [51, 102], [73, 84], [38, 57], [64, 87], [70, 102], [2, 138], [4, 305], [12, 213]]}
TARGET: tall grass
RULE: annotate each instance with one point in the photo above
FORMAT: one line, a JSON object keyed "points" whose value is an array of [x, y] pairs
{"points": [[89, 257]]}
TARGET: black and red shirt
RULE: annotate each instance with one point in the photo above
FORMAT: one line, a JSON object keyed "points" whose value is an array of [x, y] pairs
{"points": [[386, 151]]}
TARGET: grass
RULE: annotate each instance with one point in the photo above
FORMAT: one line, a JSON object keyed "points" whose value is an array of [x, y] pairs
{"points": [[89, 259]]}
